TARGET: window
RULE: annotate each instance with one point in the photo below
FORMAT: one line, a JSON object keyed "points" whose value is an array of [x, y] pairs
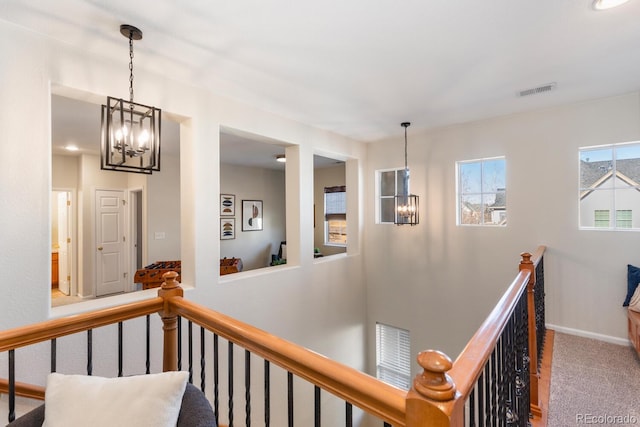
{"points": [[481, 192], [623, 218], [601, 218], [335, 214], [389, 184], [393, 356], [609, 185]]}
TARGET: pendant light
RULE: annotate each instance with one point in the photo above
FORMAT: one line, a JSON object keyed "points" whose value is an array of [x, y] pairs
{"points": [[130, 131], [406, 205]]}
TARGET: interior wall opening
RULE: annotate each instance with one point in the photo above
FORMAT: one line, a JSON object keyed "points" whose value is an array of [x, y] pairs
{"points": [[330, 206], [143, 238], [252, 202]]}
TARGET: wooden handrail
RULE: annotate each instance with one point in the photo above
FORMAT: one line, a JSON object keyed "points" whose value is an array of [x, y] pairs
{"points": [[362, 390], [437, 397], [55, 328], [536, 257], [23, 389], [442, 390], [468, 366]]}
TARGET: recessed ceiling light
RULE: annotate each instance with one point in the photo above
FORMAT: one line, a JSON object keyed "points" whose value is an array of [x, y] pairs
{"points": [[281, 158], [607, 4], [71, 147]]}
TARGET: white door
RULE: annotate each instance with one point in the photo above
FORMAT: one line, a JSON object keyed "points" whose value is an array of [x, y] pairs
{"points": [[110, 242], [64, 241]]}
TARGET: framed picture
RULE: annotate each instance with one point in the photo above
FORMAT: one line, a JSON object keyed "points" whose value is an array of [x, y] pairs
{"points": [[227, 205], [251, 215], [227, 228]]}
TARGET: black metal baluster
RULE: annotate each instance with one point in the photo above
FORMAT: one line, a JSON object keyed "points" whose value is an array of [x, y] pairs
{"points": [[539, 309], [12, 385], [500, 361], [494, 390], [479, 386], [526, 398], [120, 349], [148, 347], [190, 331], [247, 387], [348, 407], [90, 352], [290, 398], [54, 355], [216, 380], [317, 406], [487, 390], [179, 343], [230, 356], [267, 394], [472, 408], [387, 424], [509, 369], [202, 359]]}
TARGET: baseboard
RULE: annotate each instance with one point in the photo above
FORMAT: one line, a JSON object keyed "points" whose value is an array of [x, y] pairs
{"points": [[592, 335]]}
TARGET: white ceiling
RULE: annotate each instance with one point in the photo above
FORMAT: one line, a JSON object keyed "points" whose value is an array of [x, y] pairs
{"points": [[361, 67]]}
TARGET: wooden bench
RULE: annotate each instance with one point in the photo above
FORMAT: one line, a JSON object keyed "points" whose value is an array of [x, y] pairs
{"points": [[634, 329]]}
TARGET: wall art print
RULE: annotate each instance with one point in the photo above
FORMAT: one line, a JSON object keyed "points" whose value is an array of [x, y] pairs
{"points": [[227, 228], [227, 205], [251, 215]]}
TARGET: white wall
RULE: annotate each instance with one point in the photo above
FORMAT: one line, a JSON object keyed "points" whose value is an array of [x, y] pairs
{"points": [[163, 211], [440, 280], [320, 305], [247, 183]]}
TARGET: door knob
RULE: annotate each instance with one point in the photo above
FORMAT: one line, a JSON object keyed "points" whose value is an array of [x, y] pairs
{"points": [[99, 248]]}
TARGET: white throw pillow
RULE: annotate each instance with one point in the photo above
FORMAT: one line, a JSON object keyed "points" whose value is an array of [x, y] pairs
{"points": [[152, 400], [634, 303]]}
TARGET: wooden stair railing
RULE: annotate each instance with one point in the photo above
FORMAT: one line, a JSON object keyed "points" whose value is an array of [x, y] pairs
{"points": [[437, 398]]}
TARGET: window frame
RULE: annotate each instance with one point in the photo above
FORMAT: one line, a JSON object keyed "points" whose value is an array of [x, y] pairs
{"points": [[396, 369], [380, 197], [342, 217], [460, 194], [616, 206]]}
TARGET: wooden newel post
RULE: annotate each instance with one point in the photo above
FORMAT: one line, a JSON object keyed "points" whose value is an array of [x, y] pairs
{"points": [[527, 265], [430, 389], [170, 288]]}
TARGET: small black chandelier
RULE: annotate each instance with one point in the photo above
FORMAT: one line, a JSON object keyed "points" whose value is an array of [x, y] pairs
{"points": [[130, 131], [406, 204]]}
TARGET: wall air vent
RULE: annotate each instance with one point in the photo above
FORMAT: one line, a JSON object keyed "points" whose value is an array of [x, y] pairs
{"points": [[536, 90]]}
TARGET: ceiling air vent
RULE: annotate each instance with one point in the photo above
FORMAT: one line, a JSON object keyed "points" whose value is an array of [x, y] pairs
{"points": [[536, 90]]}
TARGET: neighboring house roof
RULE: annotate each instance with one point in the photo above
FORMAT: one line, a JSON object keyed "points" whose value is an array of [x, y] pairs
{"points": [[500, 203], [594, 174]]}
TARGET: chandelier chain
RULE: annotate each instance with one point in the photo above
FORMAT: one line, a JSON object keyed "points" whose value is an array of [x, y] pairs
{"points": [[405, 149], [131, 68]]}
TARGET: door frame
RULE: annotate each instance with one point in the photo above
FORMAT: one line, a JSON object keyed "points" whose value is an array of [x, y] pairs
{"points": [[132, 227], [73, 246]]}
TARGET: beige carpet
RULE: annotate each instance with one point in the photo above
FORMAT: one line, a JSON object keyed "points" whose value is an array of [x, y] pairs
{"points": [[593, 383]]}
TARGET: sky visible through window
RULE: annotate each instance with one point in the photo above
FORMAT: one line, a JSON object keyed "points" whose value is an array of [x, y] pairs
{"points": [[482, 192]]}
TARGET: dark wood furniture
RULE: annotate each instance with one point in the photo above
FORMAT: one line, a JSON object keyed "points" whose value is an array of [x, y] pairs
{"points": [[151, 275], [230, 265]]}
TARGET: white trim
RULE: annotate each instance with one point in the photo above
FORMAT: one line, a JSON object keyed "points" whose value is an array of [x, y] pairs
{"points": [[586, 334]]}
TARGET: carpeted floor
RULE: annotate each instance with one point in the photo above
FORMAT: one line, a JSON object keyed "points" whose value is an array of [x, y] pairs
{"points": [[593, 382]]}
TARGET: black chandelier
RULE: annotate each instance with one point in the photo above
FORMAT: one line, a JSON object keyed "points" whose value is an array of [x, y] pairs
{"points": [[130, 131], [406, 204]]}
